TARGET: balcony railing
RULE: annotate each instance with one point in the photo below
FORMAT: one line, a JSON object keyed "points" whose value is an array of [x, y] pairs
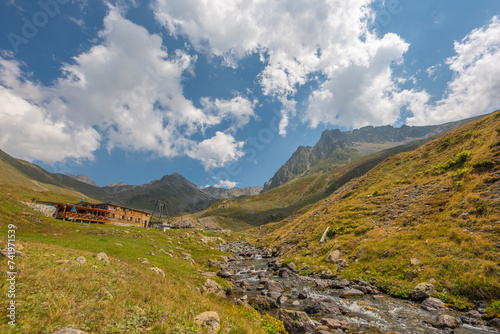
{"points": [[81, 216]]}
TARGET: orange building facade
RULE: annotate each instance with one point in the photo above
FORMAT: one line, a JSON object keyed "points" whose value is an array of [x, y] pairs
{"points": [[122, 215], [101, 213]]}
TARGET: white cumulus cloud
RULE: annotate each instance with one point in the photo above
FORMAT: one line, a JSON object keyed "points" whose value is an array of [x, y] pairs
{"points": [[224, 184], [217, 151], [475, 86], [126, 91], [296, 40]]}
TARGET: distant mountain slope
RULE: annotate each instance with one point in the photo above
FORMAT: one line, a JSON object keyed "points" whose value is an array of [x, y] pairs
{"points": [[221, 193], [338, 148], [285, 200], [433, 212], [16, 185], [179, 194]]}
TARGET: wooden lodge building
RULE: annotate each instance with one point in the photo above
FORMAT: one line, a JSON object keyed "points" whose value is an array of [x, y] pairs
{"points": [[101, 213]]}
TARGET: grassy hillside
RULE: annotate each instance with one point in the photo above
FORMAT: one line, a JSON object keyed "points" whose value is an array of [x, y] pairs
{"points": [[124, 296], [429, 214], [19, 186], [285, 200], [53, 291], [180, 195]]}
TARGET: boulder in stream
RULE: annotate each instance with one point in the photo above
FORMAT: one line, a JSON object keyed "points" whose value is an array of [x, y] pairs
{"points": [[263, 303], [296, 322], [351, 293], [446, 321], [325, 306], [433, 304], [422, 291], [273, 286]]}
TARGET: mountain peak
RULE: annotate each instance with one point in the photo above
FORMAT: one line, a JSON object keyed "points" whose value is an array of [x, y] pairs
{"points": [[82, 178], [173, 176], [340, 147]]}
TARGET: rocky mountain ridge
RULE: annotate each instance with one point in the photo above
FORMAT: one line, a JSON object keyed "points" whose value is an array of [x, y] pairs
{"points": [[221, 193], [338, 148], [82, 178]]}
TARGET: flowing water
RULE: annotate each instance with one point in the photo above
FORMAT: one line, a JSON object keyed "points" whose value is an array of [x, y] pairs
{"points": [[365, 314]]}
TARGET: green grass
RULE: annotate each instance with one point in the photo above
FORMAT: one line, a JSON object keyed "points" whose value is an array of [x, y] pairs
{"points": [[52, 295]]}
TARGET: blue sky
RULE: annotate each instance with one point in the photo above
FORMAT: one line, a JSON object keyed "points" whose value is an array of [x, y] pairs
{"points": [[223, 92]]}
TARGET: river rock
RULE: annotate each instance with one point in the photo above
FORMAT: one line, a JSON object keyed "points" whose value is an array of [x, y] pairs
{"points": [[282, 299], [422, 291], [277, 263], [273, 286], [209, 322], [212, 287], [292, 266], [322, 329], [481, 306], [224, 274], [296, 322], [446, 321], [433, 304], [495, 323], [322, 284], [302, 295], [351, 293], [333, 256], [274, 294], [263, 303], [213, 263], [336, 284], [326, 274], [69, 331], [325, 305], [334, 323], [284, 273]]}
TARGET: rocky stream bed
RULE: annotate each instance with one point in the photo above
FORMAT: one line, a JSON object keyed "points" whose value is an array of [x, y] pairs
{"points": [[323, 304]]}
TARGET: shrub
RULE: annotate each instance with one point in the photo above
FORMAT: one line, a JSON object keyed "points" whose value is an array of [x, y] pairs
{"points": [[459, 174], [341, 228], [494, 308], [272, 325], [483, 165], [481, 208], [446, 142], [461, 157], [362, 230], [458, 160]]}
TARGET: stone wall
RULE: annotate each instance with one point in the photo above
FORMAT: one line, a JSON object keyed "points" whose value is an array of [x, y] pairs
{"points": [[45, 209]]}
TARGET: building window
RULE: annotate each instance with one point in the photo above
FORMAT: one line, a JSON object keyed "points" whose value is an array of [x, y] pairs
{"points": [[129, 219], [138, 220]]}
